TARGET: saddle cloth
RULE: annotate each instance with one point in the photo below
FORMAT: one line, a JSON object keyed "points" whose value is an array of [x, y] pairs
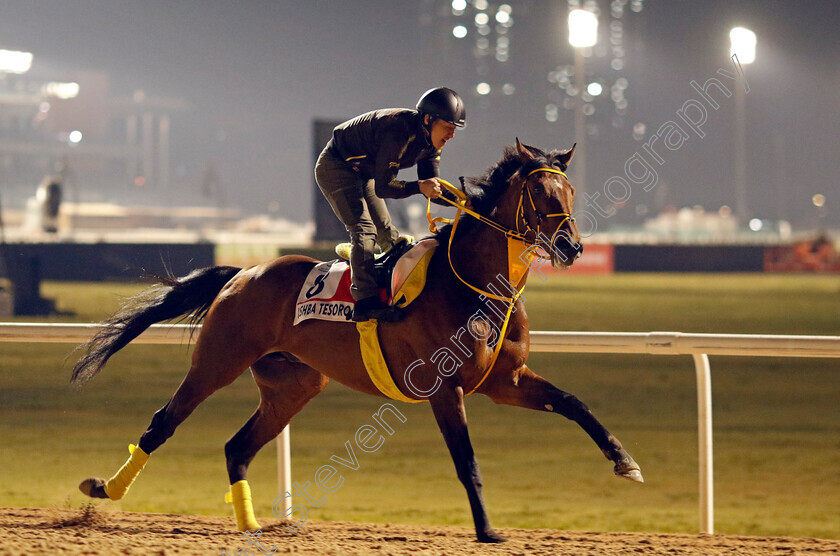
{"points": [[325, 294]]}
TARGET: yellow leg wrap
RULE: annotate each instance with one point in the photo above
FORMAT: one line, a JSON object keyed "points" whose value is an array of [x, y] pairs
{"points": [[118, 485], [243, 509]]}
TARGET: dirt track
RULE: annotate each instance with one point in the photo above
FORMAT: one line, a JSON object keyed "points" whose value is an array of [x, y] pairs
{"points": [[35, 531]]}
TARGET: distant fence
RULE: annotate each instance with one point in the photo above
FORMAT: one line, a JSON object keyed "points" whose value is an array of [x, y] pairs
{"points": [[699, 346], [94, 262], [69, 261]]}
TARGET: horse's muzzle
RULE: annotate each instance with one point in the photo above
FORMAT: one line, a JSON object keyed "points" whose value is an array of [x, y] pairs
{"points": [[564, 252]]}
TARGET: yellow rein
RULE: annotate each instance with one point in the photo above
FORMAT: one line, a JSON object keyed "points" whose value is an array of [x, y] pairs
{"points": [[461, 205]]}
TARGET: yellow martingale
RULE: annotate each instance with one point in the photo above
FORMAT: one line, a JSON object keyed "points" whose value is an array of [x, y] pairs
{"points": [[519, 258]]}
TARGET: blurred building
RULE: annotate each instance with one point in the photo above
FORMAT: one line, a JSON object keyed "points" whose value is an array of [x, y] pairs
{"points": [[72, 125]]}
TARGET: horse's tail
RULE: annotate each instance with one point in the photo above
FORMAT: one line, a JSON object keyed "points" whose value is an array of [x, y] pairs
{"points": [[170, 298]]}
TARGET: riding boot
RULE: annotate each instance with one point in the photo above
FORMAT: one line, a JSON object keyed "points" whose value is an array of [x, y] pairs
{"points": [[401, 244]]}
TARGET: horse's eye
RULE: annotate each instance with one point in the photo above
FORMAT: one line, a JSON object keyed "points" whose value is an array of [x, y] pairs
{"points": [[539, 189]]}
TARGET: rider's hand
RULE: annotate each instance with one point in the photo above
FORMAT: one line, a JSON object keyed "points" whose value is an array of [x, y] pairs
{"points": [[430, 188]]}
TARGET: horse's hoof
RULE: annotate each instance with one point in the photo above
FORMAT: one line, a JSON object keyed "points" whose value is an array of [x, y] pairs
{"points": [[93, 487], [628, 469], [633, 475], [490, 537]]}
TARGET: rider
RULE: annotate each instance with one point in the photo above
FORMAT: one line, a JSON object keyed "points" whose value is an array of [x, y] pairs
{"points": [[358, 168]]}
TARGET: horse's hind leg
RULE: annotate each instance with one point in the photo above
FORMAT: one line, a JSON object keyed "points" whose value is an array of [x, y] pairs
{"points": [[285, 388], [214, 366], [524, 388]]}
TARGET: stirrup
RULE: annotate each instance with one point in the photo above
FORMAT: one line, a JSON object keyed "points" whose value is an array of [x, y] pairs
{"points": [[383, 314]]}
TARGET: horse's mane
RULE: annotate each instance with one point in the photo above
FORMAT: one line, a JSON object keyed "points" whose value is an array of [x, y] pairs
{"points": [[485, 191]]}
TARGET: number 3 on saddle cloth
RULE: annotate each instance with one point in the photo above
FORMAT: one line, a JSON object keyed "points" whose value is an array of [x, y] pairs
{"points": [[325, 294]]}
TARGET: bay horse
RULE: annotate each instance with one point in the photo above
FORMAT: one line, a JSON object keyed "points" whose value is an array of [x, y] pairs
{"points": [[247, 323]]}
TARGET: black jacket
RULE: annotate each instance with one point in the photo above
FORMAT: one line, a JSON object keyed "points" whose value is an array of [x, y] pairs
{"points": [[379, 143]]}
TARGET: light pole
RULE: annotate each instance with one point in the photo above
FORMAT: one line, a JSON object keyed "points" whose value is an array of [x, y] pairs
{"points": [[583, 33], [742, 44], [819, 203]]}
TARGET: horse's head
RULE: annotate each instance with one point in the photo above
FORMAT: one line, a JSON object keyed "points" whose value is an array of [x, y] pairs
{"points": [[546, 201], [528, 194]]}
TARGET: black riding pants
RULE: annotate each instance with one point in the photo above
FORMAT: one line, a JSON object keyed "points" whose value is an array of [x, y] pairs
{"points": [[363, 214]]}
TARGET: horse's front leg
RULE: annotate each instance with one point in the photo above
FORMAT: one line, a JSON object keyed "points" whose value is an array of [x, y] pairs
{"points": [[524, 388], [448, 407]]}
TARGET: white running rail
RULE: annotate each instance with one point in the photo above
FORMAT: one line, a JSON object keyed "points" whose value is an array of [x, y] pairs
{"points": [[699, 346]]}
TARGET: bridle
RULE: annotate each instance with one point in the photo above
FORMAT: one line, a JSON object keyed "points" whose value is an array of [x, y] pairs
{"points": [[517, 234], [520, 211]]}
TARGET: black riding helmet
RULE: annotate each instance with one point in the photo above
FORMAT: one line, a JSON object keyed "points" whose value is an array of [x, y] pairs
{"points": [[443, 103]]}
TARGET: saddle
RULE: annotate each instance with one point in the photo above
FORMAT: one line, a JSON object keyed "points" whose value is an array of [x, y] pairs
{"points": [[384, 263], [400, 273]]}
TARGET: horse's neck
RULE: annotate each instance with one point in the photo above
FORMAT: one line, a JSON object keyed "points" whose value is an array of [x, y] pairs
{"points": [[480, 257]]}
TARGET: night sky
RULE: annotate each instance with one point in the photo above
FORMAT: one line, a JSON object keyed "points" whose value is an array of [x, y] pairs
{"points": [[257, 73]]}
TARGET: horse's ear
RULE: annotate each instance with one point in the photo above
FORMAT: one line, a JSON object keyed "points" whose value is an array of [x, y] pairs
{"points": [[524, 154], [566, 157]]}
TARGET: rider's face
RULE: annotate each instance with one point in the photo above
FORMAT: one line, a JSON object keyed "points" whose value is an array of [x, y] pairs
{"points": [[442, 132]]}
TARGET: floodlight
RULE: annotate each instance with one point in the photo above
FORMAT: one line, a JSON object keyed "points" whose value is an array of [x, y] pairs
{"points": [[743, 44], [13, 61], [583, 28]]}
